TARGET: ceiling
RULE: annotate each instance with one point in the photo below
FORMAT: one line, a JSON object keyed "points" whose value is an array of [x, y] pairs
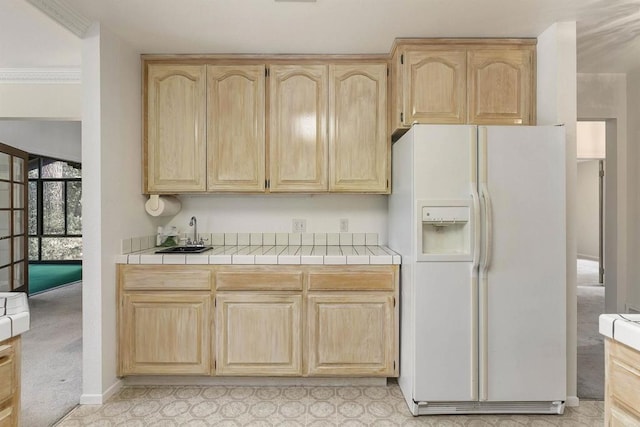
{"points": [[608, 30]]}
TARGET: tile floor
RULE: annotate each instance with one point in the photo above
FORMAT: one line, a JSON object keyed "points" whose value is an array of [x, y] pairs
{"points": [[192, 406]]}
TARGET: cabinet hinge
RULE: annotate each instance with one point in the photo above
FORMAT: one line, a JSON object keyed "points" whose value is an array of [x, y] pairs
{"points": [[402, 59], [266, 72], [215, 302], [401, 117], [601, 174], [387, 71], [387, 183], [267, 183], [214, 365], [394, 365], [394, 301]]}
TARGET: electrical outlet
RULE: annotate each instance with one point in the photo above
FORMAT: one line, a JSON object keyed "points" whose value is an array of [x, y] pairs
{"points": [[299, 225], [344, 225]]}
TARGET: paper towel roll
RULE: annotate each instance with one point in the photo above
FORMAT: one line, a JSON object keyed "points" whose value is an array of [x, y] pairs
{"points": [[162, 205]]}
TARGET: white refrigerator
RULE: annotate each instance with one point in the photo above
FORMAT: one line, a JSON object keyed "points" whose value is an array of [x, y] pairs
{"points": [[478, 215]]}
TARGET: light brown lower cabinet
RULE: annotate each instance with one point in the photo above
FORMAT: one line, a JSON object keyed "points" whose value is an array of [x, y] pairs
{"points": [[622, 388], [259, 320], [10, 382], [258, 334], [351, 334], [165, 333]]}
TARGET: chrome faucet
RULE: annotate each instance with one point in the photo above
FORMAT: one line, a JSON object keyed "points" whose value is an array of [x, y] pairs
{"points": [[194, 223]]}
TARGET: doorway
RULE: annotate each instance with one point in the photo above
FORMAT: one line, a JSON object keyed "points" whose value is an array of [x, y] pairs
{"points": [[591, 262]]}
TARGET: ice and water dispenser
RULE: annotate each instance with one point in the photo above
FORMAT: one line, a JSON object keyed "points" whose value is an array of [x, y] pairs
{"points": [[444, 231]]}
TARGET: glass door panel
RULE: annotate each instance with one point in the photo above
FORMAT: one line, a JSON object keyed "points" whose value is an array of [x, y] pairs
{"points": [[13, 201]]}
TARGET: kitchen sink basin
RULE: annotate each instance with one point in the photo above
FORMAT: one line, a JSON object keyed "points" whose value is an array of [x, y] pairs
{"points": [[184, 250]]}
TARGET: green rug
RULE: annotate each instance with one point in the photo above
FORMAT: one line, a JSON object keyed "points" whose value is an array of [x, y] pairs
{"points": [[43, 277]]}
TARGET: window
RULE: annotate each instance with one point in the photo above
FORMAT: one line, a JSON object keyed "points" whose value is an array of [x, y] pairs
{"points": [[55, 210]]}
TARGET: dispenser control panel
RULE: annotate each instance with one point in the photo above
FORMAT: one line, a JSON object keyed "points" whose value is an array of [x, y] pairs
{"points": [[445, 214]]}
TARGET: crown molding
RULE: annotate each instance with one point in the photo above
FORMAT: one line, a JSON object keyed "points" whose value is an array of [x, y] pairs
{"points": [[40, 75], [61, 12]]}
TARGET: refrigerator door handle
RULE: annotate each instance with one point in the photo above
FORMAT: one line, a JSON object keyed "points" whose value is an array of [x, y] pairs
{"points": [[488, 241], [477, 236]]}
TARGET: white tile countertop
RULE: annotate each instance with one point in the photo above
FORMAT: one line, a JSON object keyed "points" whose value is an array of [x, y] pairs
{"points": [[271, 255], [624, 328], [14, 314]]}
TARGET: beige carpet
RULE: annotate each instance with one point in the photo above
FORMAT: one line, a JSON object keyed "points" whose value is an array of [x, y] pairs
{"points": [[52, 356], [590, 342]]}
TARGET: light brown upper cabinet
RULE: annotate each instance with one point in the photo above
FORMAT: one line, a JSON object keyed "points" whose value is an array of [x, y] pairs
{"points": [[174, 147], [358, 147], [500, 86], [435, 86], [476, 81], [235, 128], [298, 123]]}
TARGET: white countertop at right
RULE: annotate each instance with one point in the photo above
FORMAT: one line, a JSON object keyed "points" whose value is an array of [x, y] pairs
{"points": [[624, 328]]}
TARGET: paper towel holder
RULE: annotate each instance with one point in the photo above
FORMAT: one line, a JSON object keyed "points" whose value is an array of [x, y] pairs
{"points": [[162, 205]]}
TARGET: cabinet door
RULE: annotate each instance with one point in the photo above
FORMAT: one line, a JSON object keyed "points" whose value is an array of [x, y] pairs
{"points": [[501, 86], [165, 333], [434, 86], [298, 128], [351, 334], [358, 148], [622, 373], [235, 128], [258, 334], [175, 129]]}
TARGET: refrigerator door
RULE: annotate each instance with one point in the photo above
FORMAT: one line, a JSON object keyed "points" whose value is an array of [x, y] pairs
{"points": [[522, 293], [445, 331], [445, 292]]}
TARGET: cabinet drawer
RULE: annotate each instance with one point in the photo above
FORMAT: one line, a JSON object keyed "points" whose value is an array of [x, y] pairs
{"points": [[164, 277], [352, 279], [7, 369], [263, 279]]}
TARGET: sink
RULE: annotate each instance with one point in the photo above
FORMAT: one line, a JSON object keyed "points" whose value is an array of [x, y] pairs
{"points": [[184, 250]]}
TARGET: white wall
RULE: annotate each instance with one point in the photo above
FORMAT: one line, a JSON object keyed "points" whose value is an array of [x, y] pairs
{"points": [[51, 138], [273, 213], [633, 109], [112, 203], [59, 101], [587, 209], [556, 103], [604, 97]]}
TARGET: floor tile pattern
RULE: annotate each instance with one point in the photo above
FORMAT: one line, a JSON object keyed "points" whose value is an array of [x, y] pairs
{"points": [[292, 407]]}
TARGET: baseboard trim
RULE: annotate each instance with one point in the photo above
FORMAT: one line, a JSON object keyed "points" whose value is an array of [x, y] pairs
{"points": [[99, 399], [572, 401], [250, 381]]}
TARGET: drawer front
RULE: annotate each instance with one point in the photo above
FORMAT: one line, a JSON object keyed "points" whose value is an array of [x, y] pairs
{"points": [[264, 279], [353, 279], [7, 369], [163, 277]]}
